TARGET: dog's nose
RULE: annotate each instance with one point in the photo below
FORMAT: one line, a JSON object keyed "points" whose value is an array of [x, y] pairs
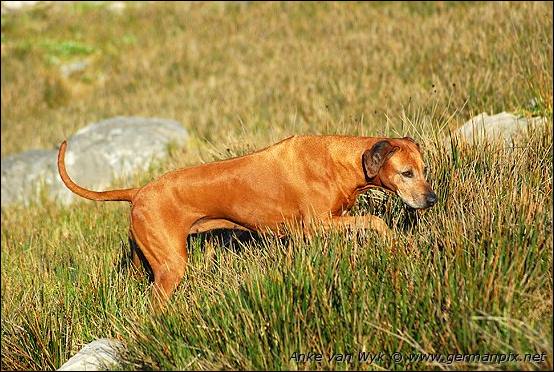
{"points": [[431, 199]]}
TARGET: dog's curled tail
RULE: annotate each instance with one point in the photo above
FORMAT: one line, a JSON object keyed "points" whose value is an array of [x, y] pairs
{"points": [[112, 195]]}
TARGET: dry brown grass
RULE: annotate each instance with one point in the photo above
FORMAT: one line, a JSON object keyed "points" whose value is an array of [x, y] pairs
{"points": [[256, 73]]}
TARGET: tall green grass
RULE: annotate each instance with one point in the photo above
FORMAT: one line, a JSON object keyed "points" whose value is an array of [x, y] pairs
{"points": [[471, 275]]}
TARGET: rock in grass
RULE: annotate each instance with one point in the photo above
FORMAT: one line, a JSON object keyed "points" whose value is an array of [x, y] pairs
{"points": [[96, 156], [490, 128], [24, 174], [100, 355], [10, 6], [68, 69]]}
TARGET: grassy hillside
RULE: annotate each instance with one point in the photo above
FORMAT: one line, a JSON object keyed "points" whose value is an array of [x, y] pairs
{"points": [[471, 275]]}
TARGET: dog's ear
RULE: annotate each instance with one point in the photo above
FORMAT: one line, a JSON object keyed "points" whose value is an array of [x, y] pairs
{"points": [[373, 159], [412, 141]]}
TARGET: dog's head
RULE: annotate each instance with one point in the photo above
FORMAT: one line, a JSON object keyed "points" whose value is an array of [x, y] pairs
{"points": [[397, 165]]}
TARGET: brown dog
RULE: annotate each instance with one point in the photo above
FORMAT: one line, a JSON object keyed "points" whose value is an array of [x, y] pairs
{"points": [[301, 179]]}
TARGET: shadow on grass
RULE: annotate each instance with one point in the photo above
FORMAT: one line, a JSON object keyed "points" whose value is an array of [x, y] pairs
{"points": [[236, 241], [233, 240]]}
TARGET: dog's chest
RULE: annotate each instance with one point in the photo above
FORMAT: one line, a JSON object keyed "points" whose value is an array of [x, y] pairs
{"points": [[343, 204]]}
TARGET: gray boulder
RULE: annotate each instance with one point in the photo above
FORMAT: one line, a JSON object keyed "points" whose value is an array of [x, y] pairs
{"points": [[96, 156], [25, 174], [504, 127], [100, 355]]}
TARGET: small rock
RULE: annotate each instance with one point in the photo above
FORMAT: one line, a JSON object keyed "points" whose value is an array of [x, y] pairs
{"points": [[100, 355], [490, 128], [73, 67], [117, 6], [10, 6]]}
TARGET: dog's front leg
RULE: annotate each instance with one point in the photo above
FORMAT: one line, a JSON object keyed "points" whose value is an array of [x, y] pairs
{"points": [[355, 223]]}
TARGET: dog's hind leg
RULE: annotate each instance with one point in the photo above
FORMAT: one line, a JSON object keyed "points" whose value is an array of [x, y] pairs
{"points": [[164, 247]]}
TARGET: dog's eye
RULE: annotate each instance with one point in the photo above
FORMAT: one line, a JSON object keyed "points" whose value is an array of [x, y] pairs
{"points": [[408, 174]]}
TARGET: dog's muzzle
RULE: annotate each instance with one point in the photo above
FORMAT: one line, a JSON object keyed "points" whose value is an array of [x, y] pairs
{"points": [[431, 199]]}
